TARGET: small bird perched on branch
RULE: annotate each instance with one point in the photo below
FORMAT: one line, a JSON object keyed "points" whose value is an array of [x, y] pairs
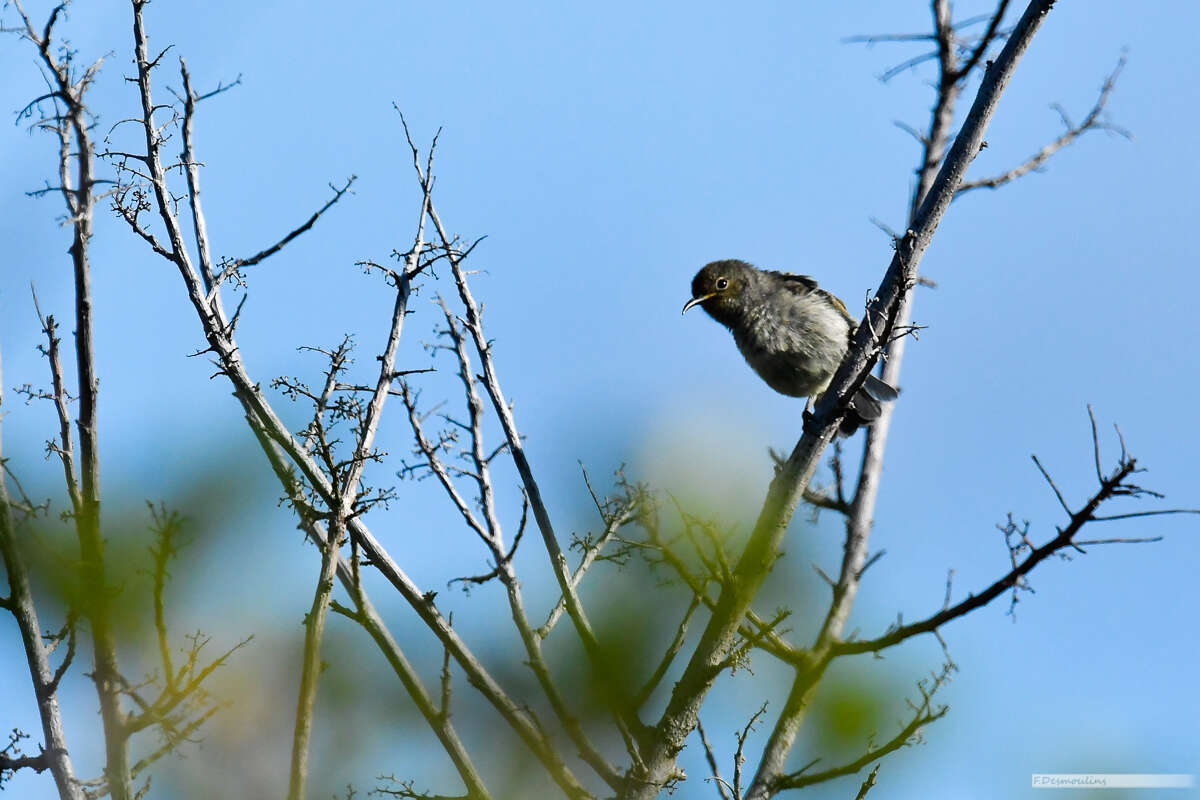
{"points": [[792, 332]]}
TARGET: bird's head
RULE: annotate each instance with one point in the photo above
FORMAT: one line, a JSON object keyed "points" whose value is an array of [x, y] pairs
{"points": [[719, 288]]}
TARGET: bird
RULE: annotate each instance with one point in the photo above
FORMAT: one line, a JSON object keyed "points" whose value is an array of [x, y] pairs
{"points": [[793, 333]]}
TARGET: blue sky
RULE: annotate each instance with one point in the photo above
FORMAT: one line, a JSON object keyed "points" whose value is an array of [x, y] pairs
{"points": [[608, 152]]}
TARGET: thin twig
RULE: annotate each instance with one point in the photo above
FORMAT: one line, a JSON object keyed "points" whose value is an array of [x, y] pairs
{"points": [[1092, 122], [723, 787]]}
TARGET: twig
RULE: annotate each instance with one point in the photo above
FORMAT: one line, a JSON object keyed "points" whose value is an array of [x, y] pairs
{"points": [[65, 448], [723, 787], [923, 714], [664, 663], [613, 522], [867, 784], [1113, 486], [232, 266], [1053, 486], [1092, 122], [738, 758]]}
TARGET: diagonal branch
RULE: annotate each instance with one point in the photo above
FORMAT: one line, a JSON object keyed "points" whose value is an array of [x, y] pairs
{"points": [[1092, 122], [668, 658], [1114, 485], [723, 786], [984, 43], [613, 522], [922, 716], [230, 267]]}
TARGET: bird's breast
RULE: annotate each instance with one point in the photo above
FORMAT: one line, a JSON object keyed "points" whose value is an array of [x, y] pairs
{"points": [[797, 351]]}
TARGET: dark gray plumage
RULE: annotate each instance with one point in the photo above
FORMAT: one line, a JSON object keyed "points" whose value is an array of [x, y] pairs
{"points": [[792, 332]]}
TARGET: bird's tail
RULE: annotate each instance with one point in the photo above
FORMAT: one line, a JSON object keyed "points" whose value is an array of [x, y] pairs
{"points": [[867, 404]]}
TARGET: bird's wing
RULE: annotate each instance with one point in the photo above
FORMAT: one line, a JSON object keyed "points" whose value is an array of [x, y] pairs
{"points": [[841, 307], [802, 285], [798, 284]]}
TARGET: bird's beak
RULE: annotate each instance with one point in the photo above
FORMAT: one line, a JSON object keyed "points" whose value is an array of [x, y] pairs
{"points": [[695, 301]]}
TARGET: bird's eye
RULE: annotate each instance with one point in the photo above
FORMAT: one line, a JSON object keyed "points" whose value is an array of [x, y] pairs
{"points": [[722, 284]]}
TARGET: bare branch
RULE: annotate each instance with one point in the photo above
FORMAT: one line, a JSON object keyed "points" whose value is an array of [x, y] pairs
{"points": [[1115, 485], [614, 520], [65, 448], [867, 784], [430, 452], [20, 604], [906, 65], [664, 663], [222, 87], [822, 500], [516, 448], [1134, 515], [1135, 540], [923, 714], [723, 787], [165, 527], [985, 42], [229, 267], [738, 758], [347, 496], [1095, 444], [76, 168], [492, 535], [921, 138], [1053, 486], [1092, 122], [875, 38], [314, 631], [474, 325]]}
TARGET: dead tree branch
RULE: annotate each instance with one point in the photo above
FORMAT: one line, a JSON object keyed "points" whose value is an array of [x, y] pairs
{"points": [[1114, 485], [1092, 122], [54, 754], [923, 714], [71, 124]]}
